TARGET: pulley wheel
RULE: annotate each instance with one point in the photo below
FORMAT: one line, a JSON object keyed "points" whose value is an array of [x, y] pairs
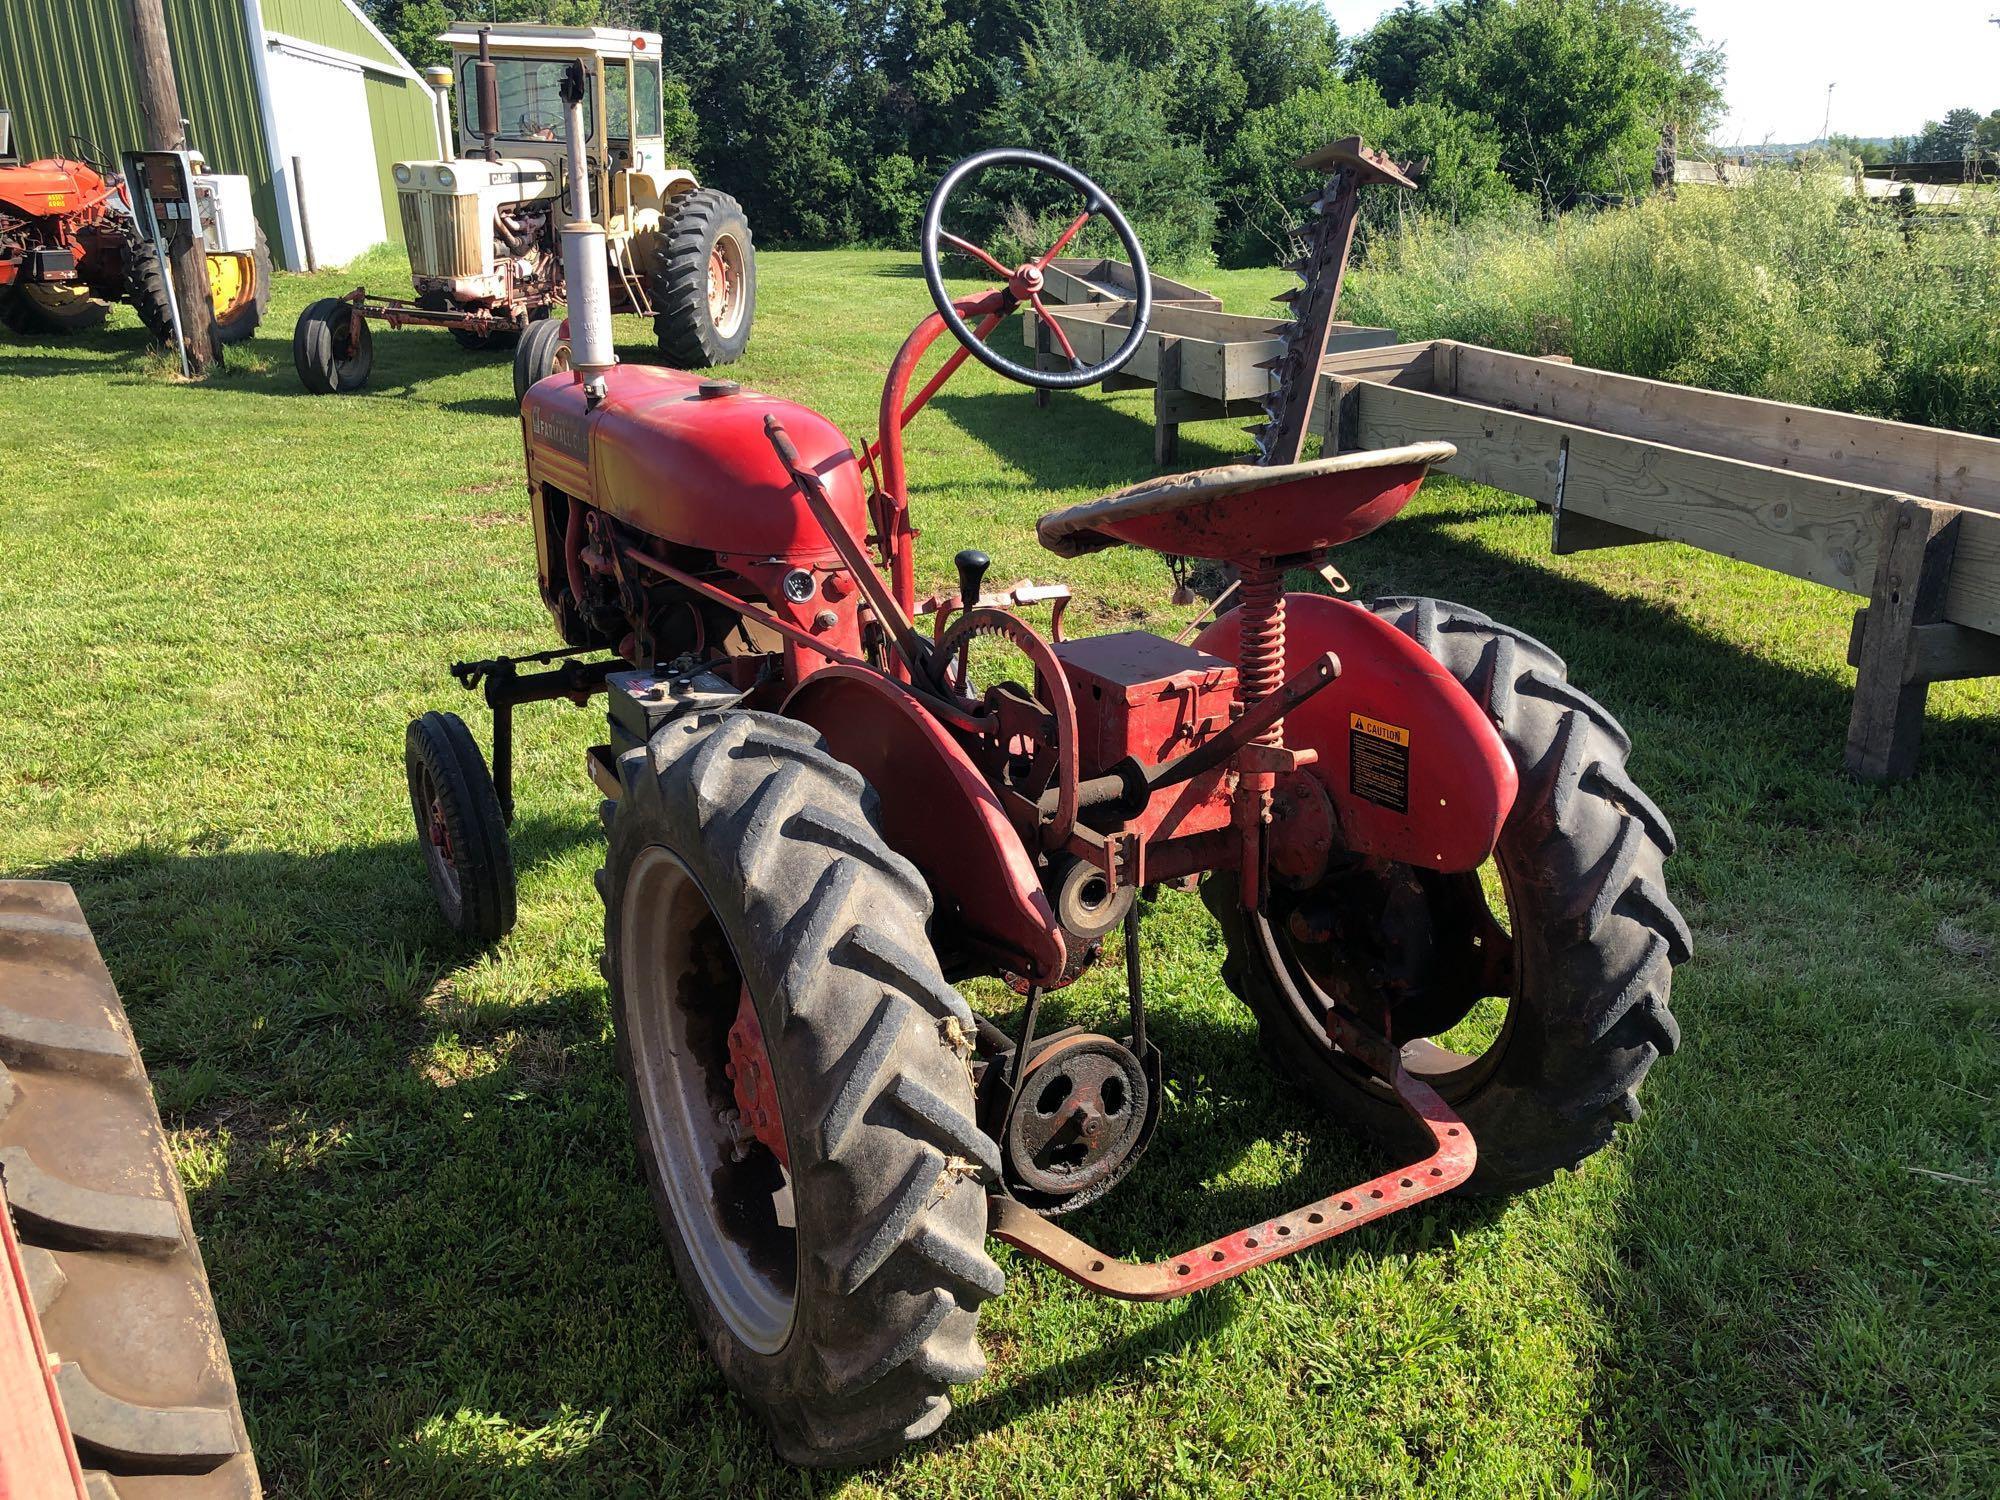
{"points": [[1079, 1122]]}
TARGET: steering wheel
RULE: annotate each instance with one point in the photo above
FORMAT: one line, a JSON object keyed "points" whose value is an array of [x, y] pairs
{"points": [[1024, 283], [89, 153]]}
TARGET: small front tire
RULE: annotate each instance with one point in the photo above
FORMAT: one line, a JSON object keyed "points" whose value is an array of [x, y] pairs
{"points": [[542, 352], [461, 828], [332, 348]]}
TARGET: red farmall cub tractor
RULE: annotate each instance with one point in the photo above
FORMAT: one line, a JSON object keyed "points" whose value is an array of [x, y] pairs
{"points": [[820, 817]]}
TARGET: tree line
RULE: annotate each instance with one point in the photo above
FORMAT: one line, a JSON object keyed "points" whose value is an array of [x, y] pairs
{"points": [[1963, 135], [831, 121]]}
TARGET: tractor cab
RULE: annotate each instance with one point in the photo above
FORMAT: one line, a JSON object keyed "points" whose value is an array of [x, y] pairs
{"points": [[518, 165]]}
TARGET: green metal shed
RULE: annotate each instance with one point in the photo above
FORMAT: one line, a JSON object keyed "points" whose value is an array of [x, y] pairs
{"points": [[305, 97]]}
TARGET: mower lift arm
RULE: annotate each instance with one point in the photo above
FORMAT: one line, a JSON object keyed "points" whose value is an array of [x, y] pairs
{"points": [[1447, 1167]]}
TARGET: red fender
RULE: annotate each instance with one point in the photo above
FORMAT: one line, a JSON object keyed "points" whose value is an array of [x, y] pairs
{"points": [[1433, 781], [938, 813]]}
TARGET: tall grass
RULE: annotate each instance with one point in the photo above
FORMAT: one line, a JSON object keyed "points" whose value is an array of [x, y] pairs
{"points": [[1784, 288]]}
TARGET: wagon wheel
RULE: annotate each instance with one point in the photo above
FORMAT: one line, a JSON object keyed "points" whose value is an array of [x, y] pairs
{"points": [[1023, 283]]}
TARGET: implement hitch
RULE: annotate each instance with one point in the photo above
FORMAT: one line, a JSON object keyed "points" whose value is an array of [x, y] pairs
{"points": [[507, 685], [1448, 1166]]}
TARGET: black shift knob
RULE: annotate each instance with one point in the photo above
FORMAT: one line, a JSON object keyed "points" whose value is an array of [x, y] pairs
{"points": [[972, 566]]}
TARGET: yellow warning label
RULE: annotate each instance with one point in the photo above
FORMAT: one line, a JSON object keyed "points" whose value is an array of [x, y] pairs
{"points": [[1394, 734], [1378, 762]]}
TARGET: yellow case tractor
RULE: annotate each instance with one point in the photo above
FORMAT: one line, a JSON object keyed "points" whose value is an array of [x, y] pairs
{"points": [[483, 225]]}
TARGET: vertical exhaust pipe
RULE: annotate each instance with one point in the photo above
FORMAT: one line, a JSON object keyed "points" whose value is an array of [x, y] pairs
{"points": [[486, 84], [586, 268]]}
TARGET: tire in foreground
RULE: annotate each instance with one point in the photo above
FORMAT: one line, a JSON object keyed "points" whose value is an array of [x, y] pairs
{"points": [[833, 1255], [113, 1270]]}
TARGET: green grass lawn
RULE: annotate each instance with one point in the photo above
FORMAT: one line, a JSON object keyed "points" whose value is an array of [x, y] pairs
{"points": [[436, 1266]]}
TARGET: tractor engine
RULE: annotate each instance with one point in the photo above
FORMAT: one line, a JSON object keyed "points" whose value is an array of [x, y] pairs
{"points": [[479, 231], [674, 469], [61, 223]]}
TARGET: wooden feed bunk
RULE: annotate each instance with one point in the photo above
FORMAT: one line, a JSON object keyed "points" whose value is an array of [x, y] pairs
{"points": [[1073, 280], [1202, 365], [1906, 516]]}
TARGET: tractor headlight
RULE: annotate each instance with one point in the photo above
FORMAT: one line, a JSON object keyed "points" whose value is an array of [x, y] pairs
{"points": [[402, 174], [446, 180]]}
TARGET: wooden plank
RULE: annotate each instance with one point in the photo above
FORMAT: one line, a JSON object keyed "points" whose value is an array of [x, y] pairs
{"points": [[1918, 540], [1823, 530], [1082, 279], [1954, 467], [1944, 652], [1408, 365]]}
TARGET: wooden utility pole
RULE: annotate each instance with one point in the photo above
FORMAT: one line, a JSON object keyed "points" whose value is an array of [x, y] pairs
{"points": [[160, 105]]}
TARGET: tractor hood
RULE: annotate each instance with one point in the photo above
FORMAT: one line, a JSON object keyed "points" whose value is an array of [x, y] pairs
{"points": [[684, 458], [50, 187], [509, 180]]}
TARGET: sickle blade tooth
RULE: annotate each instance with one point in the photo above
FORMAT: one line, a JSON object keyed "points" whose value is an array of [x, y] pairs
{"points": [[1273, 363], [1300, 266], [1290, 296]]}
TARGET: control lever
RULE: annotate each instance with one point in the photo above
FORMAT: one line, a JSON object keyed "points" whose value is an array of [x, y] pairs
{"points": [[972, 565]]}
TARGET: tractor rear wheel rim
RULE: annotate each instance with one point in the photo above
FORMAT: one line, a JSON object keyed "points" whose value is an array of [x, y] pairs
{"points": [[232, 282], [727, 1189], [725, 285], [1453, 1074], [55, 297]]}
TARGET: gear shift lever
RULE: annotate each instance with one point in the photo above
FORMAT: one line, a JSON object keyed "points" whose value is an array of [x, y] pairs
{"points": [[972, 565]]}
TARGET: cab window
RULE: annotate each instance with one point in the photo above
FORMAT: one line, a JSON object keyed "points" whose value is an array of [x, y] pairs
{"points": [[617, 101], [646, 96], [531, 107]]}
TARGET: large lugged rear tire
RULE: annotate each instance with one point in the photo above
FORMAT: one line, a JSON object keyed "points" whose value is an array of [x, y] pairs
{"points": [[116, 1279], [1595, 938], [239, 305], [745, 860], [704, 277]]}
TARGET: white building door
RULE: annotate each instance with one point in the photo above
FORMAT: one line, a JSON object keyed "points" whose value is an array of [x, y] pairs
{"points": [[328, 150]]}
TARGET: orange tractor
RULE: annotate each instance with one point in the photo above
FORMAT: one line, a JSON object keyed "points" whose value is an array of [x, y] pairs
{"points": [[829, 799], [69, 247]]}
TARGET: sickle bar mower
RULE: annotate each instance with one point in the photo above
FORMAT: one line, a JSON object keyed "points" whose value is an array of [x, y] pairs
{"points": [[827, 801]]}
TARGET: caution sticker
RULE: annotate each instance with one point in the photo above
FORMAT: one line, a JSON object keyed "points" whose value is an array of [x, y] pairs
{"points": [[1378, 762]]}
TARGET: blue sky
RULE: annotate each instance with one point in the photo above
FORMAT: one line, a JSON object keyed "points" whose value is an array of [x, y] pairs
{"points": [[1892, 67]]}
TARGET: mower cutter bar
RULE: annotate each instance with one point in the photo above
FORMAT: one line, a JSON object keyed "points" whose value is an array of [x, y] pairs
{"points": [[1219, 1260]]}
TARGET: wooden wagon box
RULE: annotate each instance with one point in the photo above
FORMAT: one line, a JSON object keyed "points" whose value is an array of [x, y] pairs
{"points": [[1202, 366], [1075, 280], [1907, 516]]}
